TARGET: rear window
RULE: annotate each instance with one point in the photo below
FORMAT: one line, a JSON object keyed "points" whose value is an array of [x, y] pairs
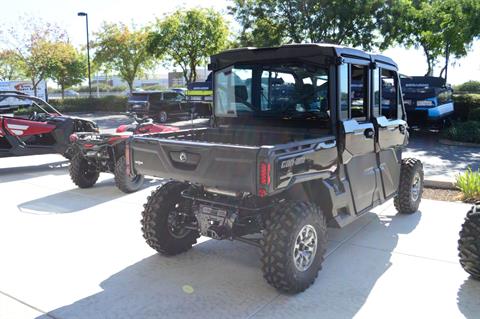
{"points": [[138, 97]]}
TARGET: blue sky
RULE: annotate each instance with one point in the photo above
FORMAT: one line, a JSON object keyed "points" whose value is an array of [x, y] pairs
{"points": [[140, 12]]}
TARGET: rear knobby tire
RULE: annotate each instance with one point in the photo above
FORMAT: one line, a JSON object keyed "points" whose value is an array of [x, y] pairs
{"points": [[156, 228], [407, 200], [82, 173], [469, 243], [125, 182], [282, 228]]}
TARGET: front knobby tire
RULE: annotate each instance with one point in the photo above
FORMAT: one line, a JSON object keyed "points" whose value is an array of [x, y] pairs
{"points": [[282, 268], [125, 182], [83, 174], [158, 229], [469, 243], [410, 188]]}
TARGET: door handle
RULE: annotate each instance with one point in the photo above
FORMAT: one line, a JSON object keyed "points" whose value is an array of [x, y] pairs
{"points": [[326, 145], [402, 129], [369, 133]]}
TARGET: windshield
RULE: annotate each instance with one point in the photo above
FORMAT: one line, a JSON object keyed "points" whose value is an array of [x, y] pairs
{"points": [[280, 91], [12, 102], [138, 97]]}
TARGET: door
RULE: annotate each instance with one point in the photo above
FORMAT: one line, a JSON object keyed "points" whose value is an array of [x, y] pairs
{"points": [[390, 126], [358, 153]]}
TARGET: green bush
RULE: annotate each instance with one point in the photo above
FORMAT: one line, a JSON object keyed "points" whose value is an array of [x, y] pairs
{"points": [[470, 86], [469, 184], [474, 114], [103, 104], [464, 104], [468, 132], [102, 87]]}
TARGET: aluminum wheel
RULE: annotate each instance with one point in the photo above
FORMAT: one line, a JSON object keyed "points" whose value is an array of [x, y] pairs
{"points": [[305, 248], [416, 184]]}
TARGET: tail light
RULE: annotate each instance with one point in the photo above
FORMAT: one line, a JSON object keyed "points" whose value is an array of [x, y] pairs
{"points": [[265, 178], [265, 173]]}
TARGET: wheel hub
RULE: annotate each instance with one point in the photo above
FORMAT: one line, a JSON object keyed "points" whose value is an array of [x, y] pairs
{"points": [[305, 248], [415, 191], [176, 222]]}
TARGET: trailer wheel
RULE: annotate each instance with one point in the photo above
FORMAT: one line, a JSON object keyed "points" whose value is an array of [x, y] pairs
{"points": [[411, 186], [125, 182], [163, 220], [83, 174], [294, 242], [469, 243]]}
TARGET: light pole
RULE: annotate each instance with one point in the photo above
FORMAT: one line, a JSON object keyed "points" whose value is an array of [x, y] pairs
{"points": [[84, 14]]}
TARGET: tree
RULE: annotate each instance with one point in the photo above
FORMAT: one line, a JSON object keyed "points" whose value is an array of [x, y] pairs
{"points": [[69, 67], [34, 45], [188, 38], [10, 68], [439, 27], [349, 22], [123, 50]]}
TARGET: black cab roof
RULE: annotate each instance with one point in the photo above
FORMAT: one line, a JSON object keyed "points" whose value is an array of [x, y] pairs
{"points": [[315, 53]]}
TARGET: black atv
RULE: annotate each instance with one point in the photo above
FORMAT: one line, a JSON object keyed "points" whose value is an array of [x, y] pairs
{"points": [[95, 153]]}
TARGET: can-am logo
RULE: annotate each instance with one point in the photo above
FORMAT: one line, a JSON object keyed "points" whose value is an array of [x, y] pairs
{"points": [[292, 162]]}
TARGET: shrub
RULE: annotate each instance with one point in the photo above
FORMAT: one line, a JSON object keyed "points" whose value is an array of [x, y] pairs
{"points": [[470, 87], [464, 104], [103, 104], [468, 132], [469, 184]]}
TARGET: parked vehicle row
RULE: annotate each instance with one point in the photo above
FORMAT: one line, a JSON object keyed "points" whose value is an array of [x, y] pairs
{"points": [[301, 137]]}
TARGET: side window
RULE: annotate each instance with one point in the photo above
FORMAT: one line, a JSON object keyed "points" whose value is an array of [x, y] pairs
{"points": [[155, 98], [390, 101], [358, 92], [344, 91], [169, 96], [444, 97], [376, 91]]}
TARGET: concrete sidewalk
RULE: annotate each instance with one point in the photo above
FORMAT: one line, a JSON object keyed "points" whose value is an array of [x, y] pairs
{"points": [[73, 253]]}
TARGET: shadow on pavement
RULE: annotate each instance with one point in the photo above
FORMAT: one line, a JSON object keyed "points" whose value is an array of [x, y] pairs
{"points": [[468, 298], [77, 199], [224, 280], [13, 174]]}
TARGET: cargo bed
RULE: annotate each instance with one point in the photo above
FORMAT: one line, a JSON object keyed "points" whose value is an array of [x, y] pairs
{"points": [[220, 158]]}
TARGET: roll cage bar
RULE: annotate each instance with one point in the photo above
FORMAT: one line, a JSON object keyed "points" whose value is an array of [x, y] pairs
{"points": [[23, 96]]}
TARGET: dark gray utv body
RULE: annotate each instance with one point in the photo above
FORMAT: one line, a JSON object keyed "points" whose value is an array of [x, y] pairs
{"points": [[299, 139]]}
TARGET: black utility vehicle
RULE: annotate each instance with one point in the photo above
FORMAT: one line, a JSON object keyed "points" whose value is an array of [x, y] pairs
{"points": [[292, 148], [161, 106], [469, 243]]}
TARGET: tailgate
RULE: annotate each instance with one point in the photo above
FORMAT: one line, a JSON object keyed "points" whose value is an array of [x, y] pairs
{"points": [[226, 167]]}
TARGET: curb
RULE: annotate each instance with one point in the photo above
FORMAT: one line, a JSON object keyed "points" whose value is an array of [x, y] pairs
{"points": [[456, 143], [435, 183]]}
